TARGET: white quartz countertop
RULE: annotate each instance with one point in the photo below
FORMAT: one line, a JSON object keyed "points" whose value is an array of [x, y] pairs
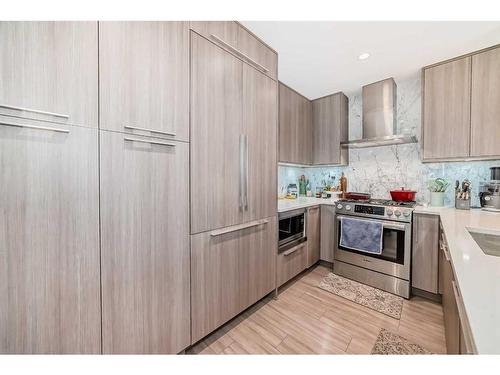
{"points": [[477, 274], [303, 202]]}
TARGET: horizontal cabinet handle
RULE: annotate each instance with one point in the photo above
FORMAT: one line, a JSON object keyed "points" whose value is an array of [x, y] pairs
{"points": [[149, 130], [239, 53], [150, 142], [57, 130], [34, 111], [291, 251], [446, 254], [238, 227], [456, 292]]}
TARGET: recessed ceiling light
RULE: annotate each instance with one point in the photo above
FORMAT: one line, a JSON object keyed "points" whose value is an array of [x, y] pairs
{"points": [[364, 56]]}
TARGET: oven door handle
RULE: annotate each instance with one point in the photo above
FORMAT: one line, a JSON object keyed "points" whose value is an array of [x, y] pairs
{"points": [[385, 224]]}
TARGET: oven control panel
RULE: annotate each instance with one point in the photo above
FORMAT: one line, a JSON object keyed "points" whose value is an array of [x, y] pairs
{"points": [[392, 213], [371, 210]]}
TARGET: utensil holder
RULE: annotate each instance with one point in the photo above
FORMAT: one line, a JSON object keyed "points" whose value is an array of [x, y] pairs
{"points": [[462, 204]]}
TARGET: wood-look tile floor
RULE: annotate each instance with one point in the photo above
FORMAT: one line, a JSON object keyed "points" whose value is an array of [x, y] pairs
{"points": [[307, 320]]}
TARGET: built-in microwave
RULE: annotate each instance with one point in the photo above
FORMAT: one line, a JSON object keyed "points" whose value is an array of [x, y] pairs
{"points": [[292, 229]]}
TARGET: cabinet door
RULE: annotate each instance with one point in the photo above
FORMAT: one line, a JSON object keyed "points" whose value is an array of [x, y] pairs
{"points": [[220, 32], [425, 254], [485, 111], [258, 54], [330, 127], [292, 262], [260, 126], [230, 270], [446, 107], [144, 245], [216, 129], [49, 239], [328, 228], [48, 71], [450, 309], [144, 78], [295, 127], [313, 235]]}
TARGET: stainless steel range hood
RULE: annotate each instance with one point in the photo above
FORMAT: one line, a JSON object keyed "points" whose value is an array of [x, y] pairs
{"points": [[379, 117]]}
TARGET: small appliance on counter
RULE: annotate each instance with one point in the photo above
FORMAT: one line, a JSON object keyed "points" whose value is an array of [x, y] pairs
{"points": [[489, 192]]}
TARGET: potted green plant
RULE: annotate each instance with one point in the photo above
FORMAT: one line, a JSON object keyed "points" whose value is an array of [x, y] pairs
{"points": [[437, 187]]}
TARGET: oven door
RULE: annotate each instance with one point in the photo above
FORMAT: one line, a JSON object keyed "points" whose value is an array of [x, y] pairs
{"points": [[396, 251]]}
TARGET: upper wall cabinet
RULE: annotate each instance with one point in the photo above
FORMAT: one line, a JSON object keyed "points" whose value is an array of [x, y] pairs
{"points": [[331, 126], [238, 40], [485, 109], [446, 110], [295, 127], [48, 71], [461, 115], [144, 78]]}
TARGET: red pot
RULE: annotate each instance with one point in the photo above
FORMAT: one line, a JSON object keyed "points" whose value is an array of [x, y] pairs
{"points": [[403, 195]]}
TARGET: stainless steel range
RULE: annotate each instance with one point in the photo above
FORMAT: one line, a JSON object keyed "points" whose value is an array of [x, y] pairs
{"points": [[389, 270]]}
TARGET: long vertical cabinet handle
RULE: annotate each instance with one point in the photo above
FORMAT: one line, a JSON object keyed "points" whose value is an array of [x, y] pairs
{"points": [[246, 172], [241, 203]]}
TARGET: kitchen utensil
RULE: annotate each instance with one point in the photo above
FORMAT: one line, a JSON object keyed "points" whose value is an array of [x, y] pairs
{"points": [[357, 196], [403, 195], [462, 195]]}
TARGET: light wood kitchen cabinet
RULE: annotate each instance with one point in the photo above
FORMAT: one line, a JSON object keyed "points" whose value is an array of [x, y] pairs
{"points": [[327, 233], [458, 334], [425, 253], [226, 31], [216, 142], [144, 78], [330, 126], [233, 143], [313, 233], [292, 262], [259, 125], [48, 71], [49, 238], [258, 54], [446, 110], [485, 106], [450, 309], [295, 127], [231, 269], [144, 244], [239, 41]]}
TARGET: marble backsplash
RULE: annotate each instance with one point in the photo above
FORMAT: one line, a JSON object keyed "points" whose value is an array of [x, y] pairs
{"points": [[378, 170]]}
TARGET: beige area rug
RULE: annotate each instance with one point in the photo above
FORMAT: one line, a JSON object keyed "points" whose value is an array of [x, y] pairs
{"points": [[373, 298], [391, 343]]}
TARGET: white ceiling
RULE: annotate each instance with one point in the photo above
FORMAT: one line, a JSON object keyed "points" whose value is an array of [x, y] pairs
{"points": [[320, 58]]}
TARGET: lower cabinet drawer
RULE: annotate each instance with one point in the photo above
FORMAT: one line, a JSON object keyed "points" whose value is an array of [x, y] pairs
{"points": [[292, 262], [231, 269]]}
